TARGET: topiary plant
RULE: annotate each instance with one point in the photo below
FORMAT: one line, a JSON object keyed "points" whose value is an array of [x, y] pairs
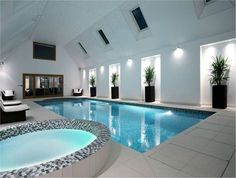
{"points": [[92, 80], [149, 75], [114, 79], [219, 70]]}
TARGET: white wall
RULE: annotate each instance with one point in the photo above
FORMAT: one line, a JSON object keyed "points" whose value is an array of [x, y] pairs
{"points": [[180, 77], [226, 49], [20, 61]]}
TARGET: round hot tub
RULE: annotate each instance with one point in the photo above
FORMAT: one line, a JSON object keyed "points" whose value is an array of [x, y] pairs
{"points": [[58, 148]]}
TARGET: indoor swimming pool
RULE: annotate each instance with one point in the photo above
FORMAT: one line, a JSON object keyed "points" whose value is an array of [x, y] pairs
{"points": [[139, 127]]}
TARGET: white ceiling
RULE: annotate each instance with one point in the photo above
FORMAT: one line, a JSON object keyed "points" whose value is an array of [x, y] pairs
{"points": [[170, 23], [55, 22], [66, 23]]}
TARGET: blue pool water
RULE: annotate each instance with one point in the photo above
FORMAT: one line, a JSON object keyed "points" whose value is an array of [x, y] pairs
{"points": [[138, 127], [43, 145]]}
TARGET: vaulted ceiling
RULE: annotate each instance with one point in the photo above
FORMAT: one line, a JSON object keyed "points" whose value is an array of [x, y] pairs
{"points": [[66, 23]]}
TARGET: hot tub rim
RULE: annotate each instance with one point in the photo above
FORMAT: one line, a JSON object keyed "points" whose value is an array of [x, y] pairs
{"points": [[99, 130]]}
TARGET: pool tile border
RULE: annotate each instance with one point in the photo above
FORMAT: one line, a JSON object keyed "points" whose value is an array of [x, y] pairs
{"points": [[148, 105], [101, 131]]}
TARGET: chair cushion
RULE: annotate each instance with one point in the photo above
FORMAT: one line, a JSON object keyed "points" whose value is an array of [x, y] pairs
{"points": [[21, 107], [8, 93], [75, 90], [11, 102]]}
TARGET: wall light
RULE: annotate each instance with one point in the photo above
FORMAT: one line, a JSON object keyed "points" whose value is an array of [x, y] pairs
{"points": [[101, 69], [230, 52], [129, 62], [178, 52], [147, 62], [211, 51], [113, 69], [84, 74]]}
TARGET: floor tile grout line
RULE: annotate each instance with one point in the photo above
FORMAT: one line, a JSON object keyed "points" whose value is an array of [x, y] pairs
{"points": [[199, 152], [212, 139], [167, 164], [227, 164], [152, 168], [140, 173], [214, 123]]}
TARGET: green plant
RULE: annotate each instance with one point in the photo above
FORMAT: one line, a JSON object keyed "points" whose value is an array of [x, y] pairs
{"points": [[114, 78], [92, 80], [149, 75], [219, 70]]}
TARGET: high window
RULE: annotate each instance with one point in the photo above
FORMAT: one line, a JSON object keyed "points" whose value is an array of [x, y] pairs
{"points": [[103, 36], [139, 18]]}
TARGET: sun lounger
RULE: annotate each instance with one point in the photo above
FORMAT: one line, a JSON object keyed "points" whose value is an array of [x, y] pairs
{"points": [[12, 111]]}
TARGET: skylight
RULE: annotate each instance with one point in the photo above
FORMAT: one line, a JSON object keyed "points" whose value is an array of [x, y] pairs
{"points": [[103, 36], [139, 18], [208, 1], [83, 49]]}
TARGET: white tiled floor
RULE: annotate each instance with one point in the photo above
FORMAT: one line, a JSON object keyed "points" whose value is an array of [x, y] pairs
{"points": [[205, 150]]}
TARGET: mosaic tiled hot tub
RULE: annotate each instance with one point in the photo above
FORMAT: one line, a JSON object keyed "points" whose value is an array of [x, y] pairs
{"points": [[95, 153]]}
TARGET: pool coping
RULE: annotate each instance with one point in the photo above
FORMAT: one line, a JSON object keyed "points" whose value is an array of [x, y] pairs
{"points": [[98, 129]]}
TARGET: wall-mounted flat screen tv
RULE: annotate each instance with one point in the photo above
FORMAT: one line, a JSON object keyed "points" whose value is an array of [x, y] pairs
{"points": [[44, 51]]}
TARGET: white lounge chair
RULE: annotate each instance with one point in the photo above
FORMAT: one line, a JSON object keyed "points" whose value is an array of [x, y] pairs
{"points": [[77, 92], [8, 94], [12, 111]]}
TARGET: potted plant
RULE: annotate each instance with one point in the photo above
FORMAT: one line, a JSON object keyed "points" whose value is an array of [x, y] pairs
{"points": [[92, 81], [149, 79], [219, 76], [115, 88]]}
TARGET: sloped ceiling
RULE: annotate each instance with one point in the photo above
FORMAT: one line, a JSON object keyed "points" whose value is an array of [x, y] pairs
{"points": [[68, 22], [55, 22], [170, 23], [18, 20]]}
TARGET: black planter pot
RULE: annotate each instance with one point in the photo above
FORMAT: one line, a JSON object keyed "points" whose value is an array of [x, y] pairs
{"points": [[219, 96], [149, 94], [114, 92], [92, 91]]}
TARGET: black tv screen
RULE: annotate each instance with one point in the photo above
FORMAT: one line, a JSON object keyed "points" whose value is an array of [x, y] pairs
{"points": [[44, 51]]}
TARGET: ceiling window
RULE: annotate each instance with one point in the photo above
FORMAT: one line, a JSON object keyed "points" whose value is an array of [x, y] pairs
{"points": [[208, 1], [103, 36], [139, 18], [83, 49]]}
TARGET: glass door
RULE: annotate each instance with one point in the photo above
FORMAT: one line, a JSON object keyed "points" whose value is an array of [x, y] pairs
{"points": [[42, 85]]}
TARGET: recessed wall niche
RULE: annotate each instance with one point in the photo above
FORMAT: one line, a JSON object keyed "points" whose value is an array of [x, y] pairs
{"points": [[114, 68], [153, 61], [92, 72], [226, 49]]}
